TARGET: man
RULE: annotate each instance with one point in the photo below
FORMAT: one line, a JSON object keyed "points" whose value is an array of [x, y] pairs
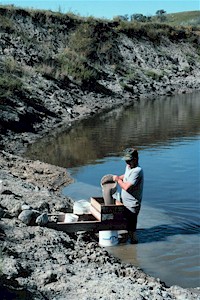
{"points": [[131, 183]]}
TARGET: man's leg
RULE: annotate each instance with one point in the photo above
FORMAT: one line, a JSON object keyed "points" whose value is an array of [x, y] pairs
{"points": [[131, 226], [133, 237]]}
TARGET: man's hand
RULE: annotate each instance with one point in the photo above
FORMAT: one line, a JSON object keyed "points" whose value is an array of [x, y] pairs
{"points": [[115, 178], [124, 185]]}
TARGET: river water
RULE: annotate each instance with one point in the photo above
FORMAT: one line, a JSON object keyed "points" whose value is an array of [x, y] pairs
{"points": [[166, 132]]}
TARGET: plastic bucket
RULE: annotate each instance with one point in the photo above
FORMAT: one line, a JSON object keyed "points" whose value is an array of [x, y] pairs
{"points": [[81, 207], [108, 238], [70, 218]]}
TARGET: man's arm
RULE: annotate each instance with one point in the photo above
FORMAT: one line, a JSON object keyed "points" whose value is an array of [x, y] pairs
{"points": [[124, 185]]}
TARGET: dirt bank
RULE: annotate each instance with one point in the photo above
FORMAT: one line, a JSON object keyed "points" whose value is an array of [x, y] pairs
{"points": [[40, 263], [56, 69]]}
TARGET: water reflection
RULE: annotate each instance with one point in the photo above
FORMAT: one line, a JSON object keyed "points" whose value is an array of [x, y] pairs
{"points": [[144, 124]]}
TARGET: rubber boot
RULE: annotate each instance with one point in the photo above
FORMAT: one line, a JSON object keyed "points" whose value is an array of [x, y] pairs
{"points": [[133, 237]]}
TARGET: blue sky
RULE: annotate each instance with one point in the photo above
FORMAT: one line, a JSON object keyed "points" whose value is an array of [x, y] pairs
{"points": [[108, 8]]}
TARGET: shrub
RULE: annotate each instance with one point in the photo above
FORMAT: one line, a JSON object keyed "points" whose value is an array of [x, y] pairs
{"points": [[131, 76], [9, 84], [156, 31], [45, 69], [154, 74], [93, 41], [10, 64], [72, 64], [81, 41], [6, 24]]}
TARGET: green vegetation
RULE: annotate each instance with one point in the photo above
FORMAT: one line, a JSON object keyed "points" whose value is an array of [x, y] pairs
{"points": [[9, 84], [72, 64], [154, 74], [156, 31], [188, 18], [68, 46], [90, 44], [7, 24], [129, 76], [10, 77]]}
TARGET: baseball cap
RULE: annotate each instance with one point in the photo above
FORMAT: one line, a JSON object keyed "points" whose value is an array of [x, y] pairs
{"points": [[129, 154]]}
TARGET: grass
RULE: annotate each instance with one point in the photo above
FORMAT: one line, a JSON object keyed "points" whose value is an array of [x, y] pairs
{"points": [[154, 74], [91, 44], [9, 84], [10, 77], [86, 46], [76, 66], [184, 18], [155, 32]]}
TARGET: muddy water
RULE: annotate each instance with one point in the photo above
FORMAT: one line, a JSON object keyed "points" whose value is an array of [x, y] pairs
{"points": [[167, 133]]}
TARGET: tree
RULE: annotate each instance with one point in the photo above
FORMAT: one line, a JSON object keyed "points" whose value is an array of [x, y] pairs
{"points": [[124, 18], [140, 18], [160, 12], [161, 15]]}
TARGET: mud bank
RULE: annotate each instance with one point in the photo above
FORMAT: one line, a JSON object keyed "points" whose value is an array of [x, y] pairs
{"points": [[41, 263]]}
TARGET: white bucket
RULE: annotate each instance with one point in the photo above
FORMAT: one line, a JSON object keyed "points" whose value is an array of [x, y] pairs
{"points": [[81, 207], [70, 218], [108, 238]]}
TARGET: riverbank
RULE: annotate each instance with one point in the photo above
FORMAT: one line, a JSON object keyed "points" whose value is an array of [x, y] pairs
{"points": [[41, 263], [56, 69]]}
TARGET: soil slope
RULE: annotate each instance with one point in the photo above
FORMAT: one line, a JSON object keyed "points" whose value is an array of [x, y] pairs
{"points": [[41, 263]]}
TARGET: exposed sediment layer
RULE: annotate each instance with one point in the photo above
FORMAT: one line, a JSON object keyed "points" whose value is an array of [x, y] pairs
{"points": [[41, 263]]}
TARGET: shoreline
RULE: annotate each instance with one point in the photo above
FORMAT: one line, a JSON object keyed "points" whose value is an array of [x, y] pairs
{"points": [[40, 262], [50, 82], [17, 143]]}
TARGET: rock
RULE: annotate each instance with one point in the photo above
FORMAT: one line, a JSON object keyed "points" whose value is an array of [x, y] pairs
{"points": [[42, 219], [28, 216], [53, 264], [48, 277], [43, 205], [26, 207], [2, 213], [16, 209]]}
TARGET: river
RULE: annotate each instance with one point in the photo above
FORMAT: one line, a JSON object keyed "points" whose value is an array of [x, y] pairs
{"points": [[166, 131]]}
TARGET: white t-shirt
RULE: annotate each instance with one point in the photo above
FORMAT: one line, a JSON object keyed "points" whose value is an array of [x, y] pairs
{"points": [[133, 197]]}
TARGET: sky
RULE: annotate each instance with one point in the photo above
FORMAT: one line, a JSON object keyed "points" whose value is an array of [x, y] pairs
{"points": [[108, 8]]}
